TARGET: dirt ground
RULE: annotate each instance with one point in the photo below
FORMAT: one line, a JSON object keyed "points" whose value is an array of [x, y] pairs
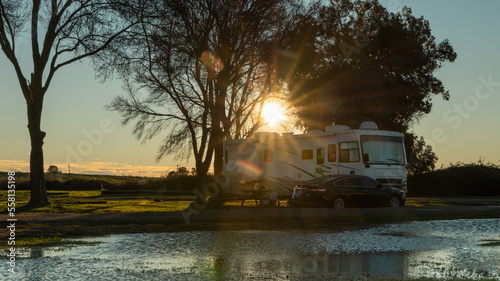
{"points": [[30, 225]]}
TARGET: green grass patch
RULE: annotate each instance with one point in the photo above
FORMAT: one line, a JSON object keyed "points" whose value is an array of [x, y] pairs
{"points": [[118, 206], [38, 241], [433, 279], [490, 243], [237, 203], [48, 241], [427, 203], [454, 201], [91, 202]]}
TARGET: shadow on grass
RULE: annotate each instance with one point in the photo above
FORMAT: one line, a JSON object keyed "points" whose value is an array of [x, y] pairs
{"points": [[61, 208], [25, 209]]}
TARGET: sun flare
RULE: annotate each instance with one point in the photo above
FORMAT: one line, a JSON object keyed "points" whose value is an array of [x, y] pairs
{"points": [[273, 114]]}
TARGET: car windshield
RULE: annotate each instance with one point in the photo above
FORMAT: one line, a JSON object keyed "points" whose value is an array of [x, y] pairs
{"points": [[383, 149]]}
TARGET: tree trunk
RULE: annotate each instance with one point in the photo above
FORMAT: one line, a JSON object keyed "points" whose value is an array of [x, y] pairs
{"points": [[201, 174], [218, 155], [201, 180], [37, 176], [217, 130]]}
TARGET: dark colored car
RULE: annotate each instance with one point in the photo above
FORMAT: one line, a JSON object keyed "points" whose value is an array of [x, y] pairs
{"points": [[344, 191]]}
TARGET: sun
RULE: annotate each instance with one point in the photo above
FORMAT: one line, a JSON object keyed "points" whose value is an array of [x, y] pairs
{"points": [[273, 114]]}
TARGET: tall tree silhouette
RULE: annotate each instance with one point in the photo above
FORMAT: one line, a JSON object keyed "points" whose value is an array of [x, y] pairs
{"points": [[205, 68], [61, 33], [365, 63]]}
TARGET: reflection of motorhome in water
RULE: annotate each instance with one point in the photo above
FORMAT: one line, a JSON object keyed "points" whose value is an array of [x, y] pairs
{"points": [[279, 162]]}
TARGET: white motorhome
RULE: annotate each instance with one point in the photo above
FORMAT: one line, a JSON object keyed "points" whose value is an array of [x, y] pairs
{"points": [[279, 162]]}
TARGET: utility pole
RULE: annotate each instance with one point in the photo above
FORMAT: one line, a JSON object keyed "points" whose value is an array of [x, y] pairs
{"points": [[69, 169]]}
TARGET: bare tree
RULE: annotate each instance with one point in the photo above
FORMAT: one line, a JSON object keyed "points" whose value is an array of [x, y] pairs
{"points": [[204, 72], [62, 32]]}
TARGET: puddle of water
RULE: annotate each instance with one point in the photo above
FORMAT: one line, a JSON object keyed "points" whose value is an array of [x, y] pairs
{"points": [[433, 249]]}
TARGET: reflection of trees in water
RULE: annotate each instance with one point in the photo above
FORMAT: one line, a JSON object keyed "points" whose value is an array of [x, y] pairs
{"points": [[247, 265], [266, 255], [352, 266], [397, 265]]}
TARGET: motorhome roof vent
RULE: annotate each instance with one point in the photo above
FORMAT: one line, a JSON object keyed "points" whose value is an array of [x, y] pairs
{"points": [[368, 125], [337, 128]]}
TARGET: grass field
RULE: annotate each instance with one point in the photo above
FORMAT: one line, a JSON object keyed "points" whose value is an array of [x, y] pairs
{"points": [[80, 193], [23, 177], [93, 202]]}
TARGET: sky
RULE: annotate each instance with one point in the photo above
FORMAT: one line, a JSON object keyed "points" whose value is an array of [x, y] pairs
{"points": [[92, 140]]}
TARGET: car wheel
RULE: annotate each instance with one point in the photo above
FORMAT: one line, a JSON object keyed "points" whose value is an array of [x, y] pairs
{"points": [[338, 203], [395, 201]]}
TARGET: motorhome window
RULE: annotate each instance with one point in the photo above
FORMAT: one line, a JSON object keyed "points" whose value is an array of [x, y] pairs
{"points": [[307, 154], [268, 155], [349, 152], [383, 149], [320, 156], [226, 156], [332, 153]]}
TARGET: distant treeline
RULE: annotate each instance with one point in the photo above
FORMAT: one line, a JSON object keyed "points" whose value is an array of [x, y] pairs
{"points": [[181, 184], [473, 179]]}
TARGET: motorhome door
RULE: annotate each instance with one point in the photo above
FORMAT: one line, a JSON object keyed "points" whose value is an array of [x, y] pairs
{"points": [[349, 157]]}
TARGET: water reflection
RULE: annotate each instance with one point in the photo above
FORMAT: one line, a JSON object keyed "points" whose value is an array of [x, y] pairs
{"points": [[353, 266], [436, 249]]}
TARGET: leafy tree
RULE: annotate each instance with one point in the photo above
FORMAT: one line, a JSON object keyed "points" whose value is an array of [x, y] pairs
{"points": [[182, 171], [171, 174], [61, 32], [53, 169], [421, 159], [360, 62]]}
